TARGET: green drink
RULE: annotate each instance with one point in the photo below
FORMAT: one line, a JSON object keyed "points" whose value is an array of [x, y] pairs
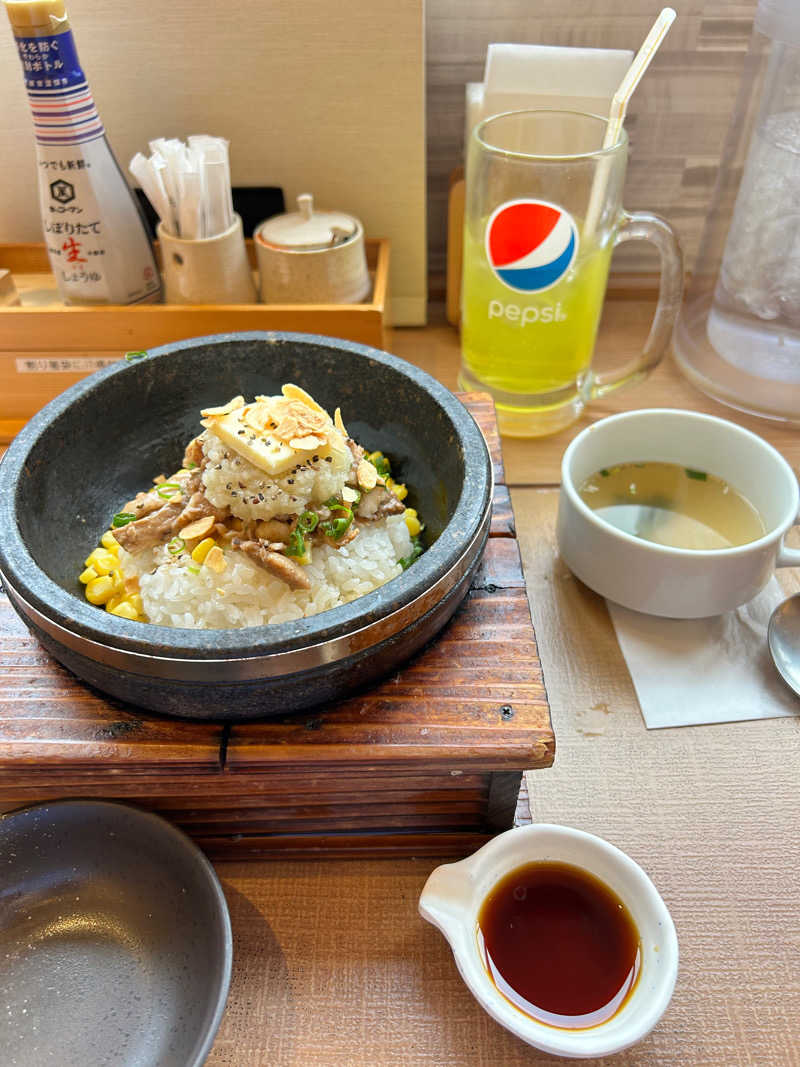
{"points": [[534, 345], [543, 214]]}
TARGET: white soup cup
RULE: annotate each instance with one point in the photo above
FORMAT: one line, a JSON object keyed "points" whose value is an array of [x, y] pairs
{"points": [[656, 579]]}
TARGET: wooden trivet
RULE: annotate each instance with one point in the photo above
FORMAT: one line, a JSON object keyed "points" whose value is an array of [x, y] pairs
{"points": [[428, 762]]}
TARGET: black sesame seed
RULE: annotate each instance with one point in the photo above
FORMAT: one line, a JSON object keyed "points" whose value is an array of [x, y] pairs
{"points": [[290, 481], [329, 459]]}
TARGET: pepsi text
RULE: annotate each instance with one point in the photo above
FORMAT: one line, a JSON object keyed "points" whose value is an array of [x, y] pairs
{"points": [[525, 316]]}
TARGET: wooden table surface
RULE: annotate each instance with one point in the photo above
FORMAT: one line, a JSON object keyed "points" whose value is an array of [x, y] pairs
{"points": [[334, 966]]}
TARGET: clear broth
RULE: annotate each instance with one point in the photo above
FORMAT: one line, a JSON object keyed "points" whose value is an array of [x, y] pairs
{"points": [[672, 505]]}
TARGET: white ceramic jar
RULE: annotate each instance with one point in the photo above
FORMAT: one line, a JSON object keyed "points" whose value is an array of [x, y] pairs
{"points": [[312, 257]]}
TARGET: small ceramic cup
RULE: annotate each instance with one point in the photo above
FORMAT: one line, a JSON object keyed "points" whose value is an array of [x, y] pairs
{"points": [[656, 579], [213, 270], [452, 898]]}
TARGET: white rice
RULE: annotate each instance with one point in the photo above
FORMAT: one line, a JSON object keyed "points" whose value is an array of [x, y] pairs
{"points": [[246, 595], [233, 481]]}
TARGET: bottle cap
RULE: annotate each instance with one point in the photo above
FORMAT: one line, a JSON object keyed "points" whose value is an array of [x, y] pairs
{"points": [[37, 17]]}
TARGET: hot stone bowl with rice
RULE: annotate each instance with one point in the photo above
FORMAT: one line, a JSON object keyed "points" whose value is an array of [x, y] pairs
{"points": [[284, 563], [276, 514]]}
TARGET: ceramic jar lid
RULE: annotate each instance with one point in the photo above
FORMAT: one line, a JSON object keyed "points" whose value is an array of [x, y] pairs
{"points": [[307, 230]]}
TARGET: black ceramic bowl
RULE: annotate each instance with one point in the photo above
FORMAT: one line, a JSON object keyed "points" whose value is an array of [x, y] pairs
{"points": [[94, 446]]}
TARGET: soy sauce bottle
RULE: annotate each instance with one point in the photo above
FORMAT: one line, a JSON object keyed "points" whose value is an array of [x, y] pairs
{"points": [[99, 248]]}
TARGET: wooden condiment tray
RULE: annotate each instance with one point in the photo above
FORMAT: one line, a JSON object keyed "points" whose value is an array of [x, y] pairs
{"points": [[32, 371], [429, 762]]}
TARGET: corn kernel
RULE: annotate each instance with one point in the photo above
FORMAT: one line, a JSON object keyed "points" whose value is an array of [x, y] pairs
{"points": [[215, 559], [399, 490], [104, 563], [118, 580], [412, 522], [109, 541], [199, 552], [125, 611], [136, 603], [89, 561], [88, 575], [114, 601], [100, 589]]}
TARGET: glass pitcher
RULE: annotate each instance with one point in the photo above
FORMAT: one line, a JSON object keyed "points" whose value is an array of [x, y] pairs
{"points": [[738, 336]]}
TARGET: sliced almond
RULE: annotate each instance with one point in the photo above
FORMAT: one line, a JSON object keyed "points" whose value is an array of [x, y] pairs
{"points": [[132, 585], [198, 528], [294, 392], [367, 475], [232, 405], [337, 422], [216, 560], [306, 443], [349, 496]]}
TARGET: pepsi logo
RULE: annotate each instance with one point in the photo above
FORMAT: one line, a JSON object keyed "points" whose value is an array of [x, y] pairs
{"points": [[531, 244]]}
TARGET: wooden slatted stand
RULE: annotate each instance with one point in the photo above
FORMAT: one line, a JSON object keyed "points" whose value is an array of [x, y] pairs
{"points": [[428, 762]]}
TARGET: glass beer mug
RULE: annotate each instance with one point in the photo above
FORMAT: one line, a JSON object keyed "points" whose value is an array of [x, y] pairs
{"points": [[543, 216]]}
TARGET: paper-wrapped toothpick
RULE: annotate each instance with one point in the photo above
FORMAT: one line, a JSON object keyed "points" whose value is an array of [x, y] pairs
{"points": [[189, 185]]}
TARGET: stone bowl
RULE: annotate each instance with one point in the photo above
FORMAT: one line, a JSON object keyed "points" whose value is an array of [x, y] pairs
{"points": [[94, 446]]}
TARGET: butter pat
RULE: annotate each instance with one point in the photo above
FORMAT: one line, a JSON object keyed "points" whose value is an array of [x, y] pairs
{"points": [[275, 433]]}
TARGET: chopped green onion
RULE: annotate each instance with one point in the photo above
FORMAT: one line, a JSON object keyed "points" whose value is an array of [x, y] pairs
{"points": [[383, 467], [122, 518], [191, 466], [176, 546], [297, 544], [308, 521], [337, 527], [699, 476], [193, 570], [416, 551], [167, 489], [133, 357], [604, 473]]}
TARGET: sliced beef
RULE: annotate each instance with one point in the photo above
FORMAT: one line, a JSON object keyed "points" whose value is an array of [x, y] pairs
{"points": [[143, 504], [151, 530], [275, 563], [193, 456], [198, 507], [377, 504], [273, 530], [358, 453]]}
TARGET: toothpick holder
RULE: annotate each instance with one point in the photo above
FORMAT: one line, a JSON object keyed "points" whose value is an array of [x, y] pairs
{"points": [[214, 270]]}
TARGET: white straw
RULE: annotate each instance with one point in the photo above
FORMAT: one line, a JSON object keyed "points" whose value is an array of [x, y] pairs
{"points": [[616, 115]]}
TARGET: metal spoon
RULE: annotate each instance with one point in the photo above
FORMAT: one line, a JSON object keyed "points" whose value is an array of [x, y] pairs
{"points": [[783, 637]]}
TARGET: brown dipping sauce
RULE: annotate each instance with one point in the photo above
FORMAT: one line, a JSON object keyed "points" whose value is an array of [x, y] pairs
{"points": [[559, 944]]}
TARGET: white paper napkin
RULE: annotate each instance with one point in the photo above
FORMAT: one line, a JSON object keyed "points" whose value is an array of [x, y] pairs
{"points": [[691, 671], [532, 75]]}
